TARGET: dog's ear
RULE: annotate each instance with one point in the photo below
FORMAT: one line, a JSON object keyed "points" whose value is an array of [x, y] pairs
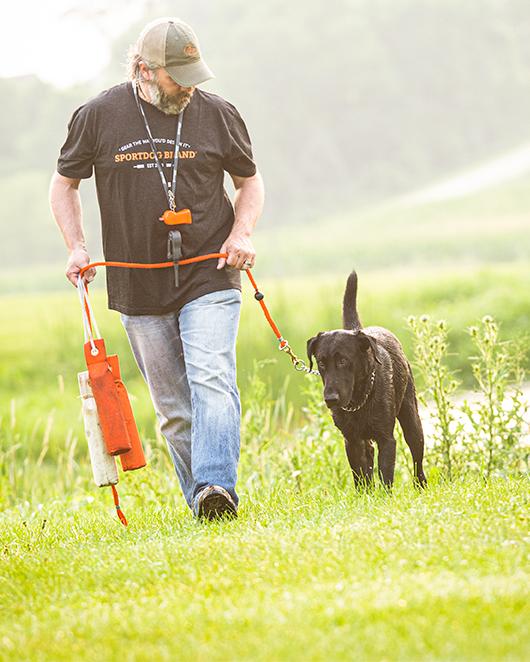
{"points": [[369, 341], [311, 346]]}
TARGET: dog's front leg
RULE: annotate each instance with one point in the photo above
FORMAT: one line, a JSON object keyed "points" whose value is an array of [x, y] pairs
{"points": [[386, 459], [359, 462]]}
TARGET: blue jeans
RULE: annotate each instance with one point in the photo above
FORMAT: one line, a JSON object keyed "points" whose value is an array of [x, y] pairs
{"points": [[188, 360]]}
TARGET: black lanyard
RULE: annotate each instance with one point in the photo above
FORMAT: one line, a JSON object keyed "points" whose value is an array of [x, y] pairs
{"points": [[170, 192]]}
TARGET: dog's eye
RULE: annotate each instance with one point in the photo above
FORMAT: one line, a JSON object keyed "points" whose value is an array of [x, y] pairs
{"points": [[341, 363], [321, 364]]}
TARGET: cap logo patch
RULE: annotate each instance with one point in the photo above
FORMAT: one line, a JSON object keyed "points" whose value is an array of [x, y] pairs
{"points": [[191, 51]]}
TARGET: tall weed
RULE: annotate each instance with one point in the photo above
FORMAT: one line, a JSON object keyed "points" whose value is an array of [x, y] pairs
{"points": [[430, 355], [486, 434], [497, 418]]}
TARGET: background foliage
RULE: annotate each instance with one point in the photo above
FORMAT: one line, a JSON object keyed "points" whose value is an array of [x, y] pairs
{"points": [[347, 104]]}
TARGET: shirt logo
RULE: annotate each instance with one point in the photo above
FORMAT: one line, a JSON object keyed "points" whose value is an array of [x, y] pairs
{"points": [[145, 158]]}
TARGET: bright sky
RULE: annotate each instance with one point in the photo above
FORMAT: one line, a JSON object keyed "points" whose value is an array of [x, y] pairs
{"points": [[62, 41]]}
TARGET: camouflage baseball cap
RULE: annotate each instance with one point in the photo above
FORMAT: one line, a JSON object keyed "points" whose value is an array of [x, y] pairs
{"points": [[172, 44]]}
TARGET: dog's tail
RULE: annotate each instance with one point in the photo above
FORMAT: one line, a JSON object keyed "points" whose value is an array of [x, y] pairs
{"points": [[350, 318]]}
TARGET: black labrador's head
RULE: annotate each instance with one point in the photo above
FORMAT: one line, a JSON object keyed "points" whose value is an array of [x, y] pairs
{"points": [[343, 359]]}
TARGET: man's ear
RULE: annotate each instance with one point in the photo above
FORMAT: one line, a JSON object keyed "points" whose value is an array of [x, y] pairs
{"points": [[311, 346], [369, 341], [144, 71]]}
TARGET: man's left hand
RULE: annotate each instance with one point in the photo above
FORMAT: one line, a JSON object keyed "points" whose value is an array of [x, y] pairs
{"points": [[241, 253]]}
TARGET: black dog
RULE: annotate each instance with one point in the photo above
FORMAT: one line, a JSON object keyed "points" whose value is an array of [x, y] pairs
{"points": [[368, 382]]}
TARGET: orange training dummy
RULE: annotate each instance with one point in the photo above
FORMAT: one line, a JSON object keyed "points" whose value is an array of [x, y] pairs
{"points": [[115, 416]]}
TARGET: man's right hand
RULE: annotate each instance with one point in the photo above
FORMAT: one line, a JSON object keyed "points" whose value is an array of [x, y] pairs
{"points": [[78, 259]]}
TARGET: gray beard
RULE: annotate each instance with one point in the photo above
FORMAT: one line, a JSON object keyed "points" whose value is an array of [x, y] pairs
{"points": [[169, 105]]}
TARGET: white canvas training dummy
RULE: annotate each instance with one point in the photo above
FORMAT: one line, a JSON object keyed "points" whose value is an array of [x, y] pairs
{"points": [[103, 465]]}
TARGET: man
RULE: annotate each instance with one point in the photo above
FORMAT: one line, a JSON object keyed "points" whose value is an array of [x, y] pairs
{"points": [[159, 147]]}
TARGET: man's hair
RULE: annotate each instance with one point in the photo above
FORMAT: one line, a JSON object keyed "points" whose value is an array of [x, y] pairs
{"points": [[133, 63]]}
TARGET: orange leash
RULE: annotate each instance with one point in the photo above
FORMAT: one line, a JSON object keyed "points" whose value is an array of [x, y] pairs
{"points": [[119, 511], [259, 298], [200, 258], [153, 265], [299, 364]]}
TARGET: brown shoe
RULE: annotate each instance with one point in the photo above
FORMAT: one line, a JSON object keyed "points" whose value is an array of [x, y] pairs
{"points": [[214, 502]]}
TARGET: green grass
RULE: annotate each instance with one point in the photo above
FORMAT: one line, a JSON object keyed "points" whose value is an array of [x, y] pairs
{"points": [[311, 569], [325, 573]]}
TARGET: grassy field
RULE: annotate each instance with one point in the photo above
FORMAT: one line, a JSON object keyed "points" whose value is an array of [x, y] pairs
{"points": [[312, 569], [317, 574]]}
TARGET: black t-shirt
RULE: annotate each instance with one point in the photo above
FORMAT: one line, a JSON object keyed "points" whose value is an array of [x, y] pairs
{"points": [[108, 135]]}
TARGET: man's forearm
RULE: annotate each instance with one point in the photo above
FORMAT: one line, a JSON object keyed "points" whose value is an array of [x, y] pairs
{"points": [[65, 204], [248, 205]]}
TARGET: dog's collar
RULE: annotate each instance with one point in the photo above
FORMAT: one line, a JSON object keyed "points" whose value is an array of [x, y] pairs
{"points": [[363, 402]]}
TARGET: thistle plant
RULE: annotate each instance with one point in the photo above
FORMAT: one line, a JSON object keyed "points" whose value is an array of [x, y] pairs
{"points": [[487, 434], [430, 351], [496, 418]]}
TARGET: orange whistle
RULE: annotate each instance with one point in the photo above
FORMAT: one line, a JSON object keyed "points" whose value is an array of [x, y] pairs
{"points": [[176, 217]]}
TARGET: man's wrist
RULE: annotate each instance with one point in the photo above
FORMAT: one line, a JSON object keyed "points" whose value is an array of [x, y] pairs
{"points": [[242, 229]]}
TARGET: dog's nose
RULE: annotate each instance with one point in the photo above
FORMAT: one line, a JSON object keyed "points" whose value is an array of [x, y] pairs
{"points": [[332, 399]]}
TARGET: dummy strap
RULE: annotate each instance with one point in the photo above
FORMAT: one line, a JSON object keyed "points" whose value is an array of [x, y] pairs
{"points": [[171, 193], [89, 321]]}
